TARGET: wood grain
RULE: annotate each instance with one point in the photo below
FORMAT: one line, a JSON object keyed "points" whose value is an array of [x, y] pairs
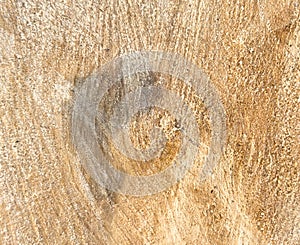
{"points": [[249, 50]]}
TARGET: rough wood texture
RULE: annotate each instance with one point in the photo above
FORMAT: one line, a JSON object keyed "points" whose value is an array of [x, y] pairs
{"points": [[251, 52]]}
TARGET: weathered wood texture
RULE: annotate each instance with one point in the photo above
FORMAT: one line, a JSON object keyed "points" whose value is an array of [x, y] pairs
{"points": [[250, 51]]}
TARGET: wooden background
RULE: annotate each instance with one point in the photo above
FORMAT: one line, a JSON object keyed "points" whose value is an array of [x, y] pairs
{"points": [[250, 51]]}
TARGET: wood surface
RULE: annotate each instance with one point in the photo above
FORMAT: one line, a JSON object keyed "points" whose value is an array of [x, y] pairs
{"points": [[250, 50]]}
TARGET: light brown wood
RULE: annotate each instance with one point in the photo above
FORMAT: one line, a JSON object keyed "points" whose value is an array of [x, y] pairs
{"points": [[250, 51]]}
